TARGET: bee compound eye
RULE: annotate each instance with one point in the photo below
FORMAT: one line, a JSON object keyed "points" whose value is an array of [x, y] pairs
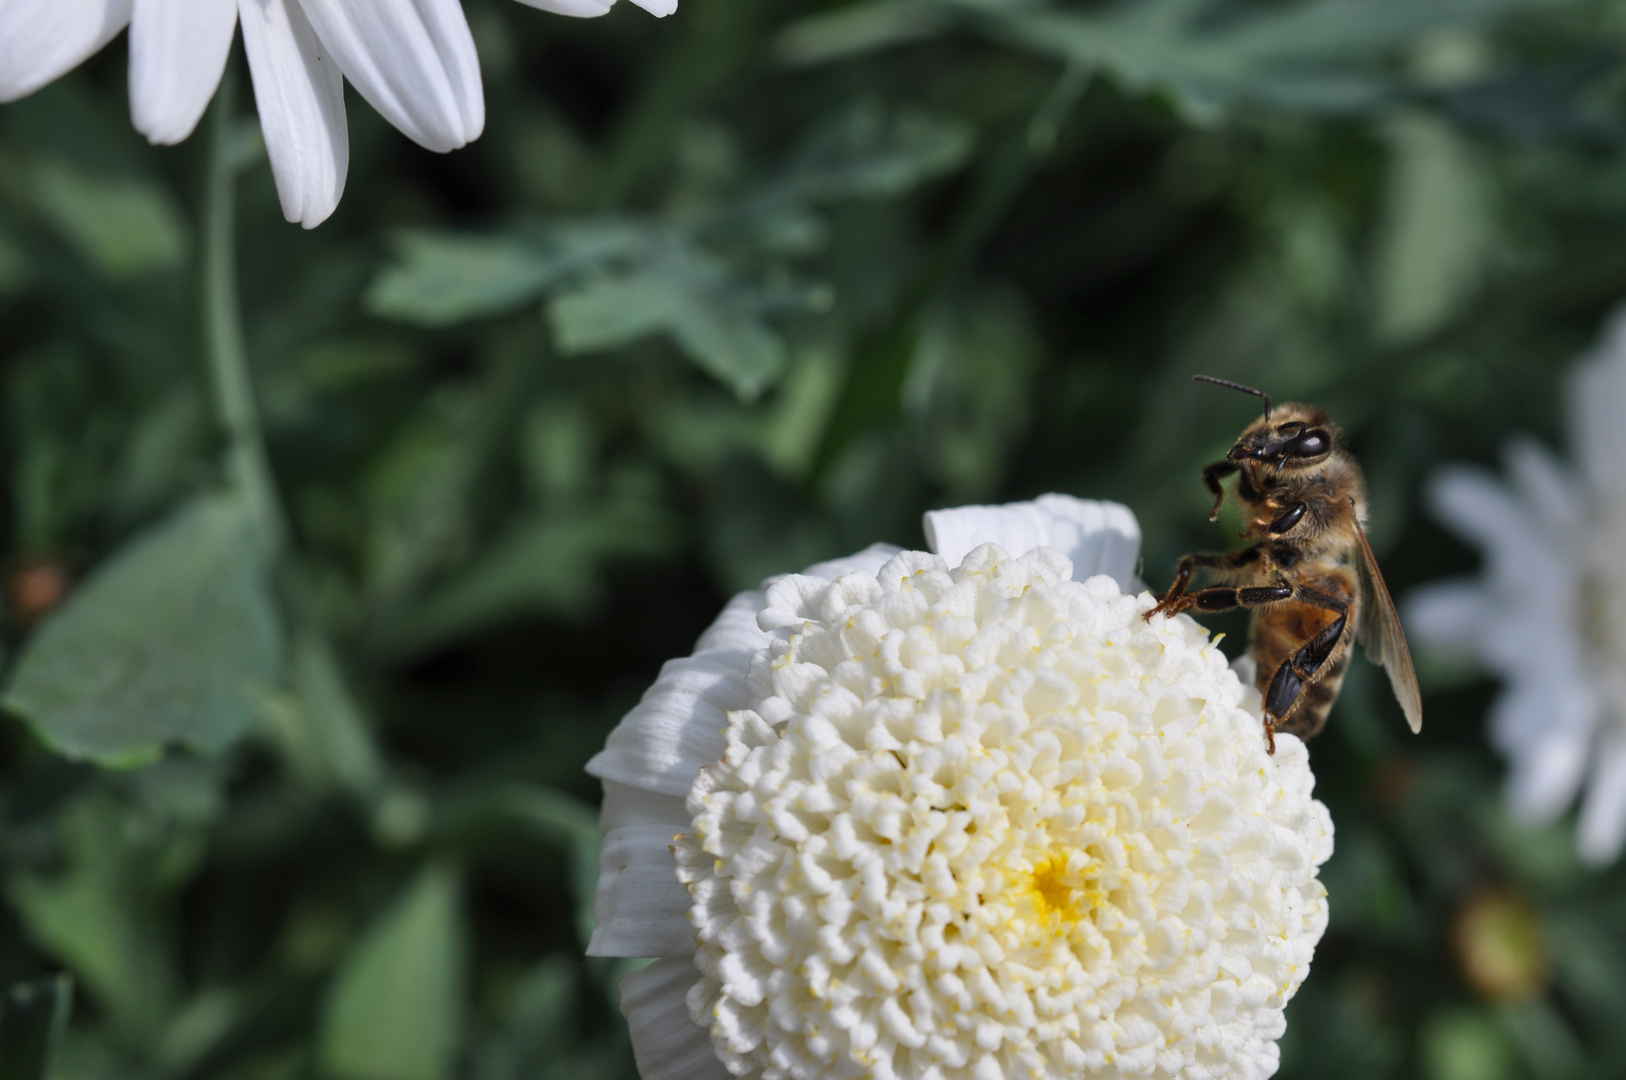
{"points": [[1312, 443]]}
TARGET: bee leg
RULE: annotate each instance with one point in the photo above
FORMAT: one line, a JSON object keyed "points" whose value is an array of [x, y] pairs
{"points": [[1225, 598], [1303, 666], [1212, 475], [1176, 598]]}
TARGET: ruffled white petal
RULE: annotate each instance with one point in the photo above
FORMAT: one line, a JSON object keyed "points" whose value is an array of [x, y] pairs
{"points": [[1602, 830], [41, 40], [666, 1045], [1596, 400], [640, 908], [178, 50], [413, 60], [580, 9], [626, 805], [1099, 537], [677, 729], [300, 96], [735, 630], [867, 561]]}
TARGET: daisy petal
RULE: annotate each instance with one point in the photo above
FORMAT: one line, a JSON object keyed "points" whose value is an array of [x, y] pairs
{"points": [[1099, 537], [1545, 484], [41, 40], [666, 1044], [580, 9], [178, 49], [1545, 731], [1450, 614], [1602, 830], [1597, 395], [640, 907], [300, 97], [677, 729], [413, 60]]}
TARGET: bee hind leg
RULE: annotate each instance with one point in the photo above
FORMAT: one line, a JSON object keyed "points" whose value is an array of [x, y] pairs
{"points": [[1301, 670]]}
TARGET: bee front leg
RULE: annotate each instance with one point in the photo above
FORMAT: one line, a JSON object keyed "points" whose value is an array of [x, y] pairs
{"points": [[1177, 599], [1212, 475]]}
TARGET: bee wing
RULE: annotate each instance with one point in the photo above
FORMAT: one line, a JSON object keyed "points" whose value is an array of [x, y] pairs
{"points": [[1385, 640]]}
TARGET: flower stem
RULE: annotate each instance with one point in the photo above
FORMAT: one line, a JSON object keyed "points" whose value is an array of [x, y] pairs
{"points": [[233, 387], [334, 746]]}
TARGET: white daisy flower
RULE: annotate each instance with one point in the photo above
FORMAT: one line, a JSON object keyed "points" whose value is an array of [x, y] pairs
{"points": [[1549, 613], [962, 816], [412, 60]]}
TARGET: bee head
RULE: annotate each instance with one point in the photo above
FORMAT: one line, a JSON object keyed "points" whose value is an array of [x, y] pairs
{"points": [[1293, 435]]}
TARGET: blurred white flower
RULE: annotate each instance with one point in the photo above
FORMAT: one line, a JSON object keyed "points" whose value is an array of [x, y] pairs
{"points": [[412, 60], [897, 820], [1549, 613]]}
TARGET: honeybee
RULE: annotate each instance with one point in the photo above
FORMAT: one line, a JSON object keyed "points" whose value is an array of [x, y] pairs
{"points": [[1309, 578]]}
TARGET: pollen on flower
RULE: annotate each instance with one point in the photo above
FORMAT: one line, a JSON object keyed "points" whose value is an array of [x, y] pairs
{"points": [[987, 823]]}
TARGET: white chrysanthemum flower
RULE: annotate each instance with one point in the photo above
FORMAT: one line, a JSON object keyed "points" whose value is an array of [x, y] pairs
{"points": [[412, 60], [1549, 614], [898, 820]]}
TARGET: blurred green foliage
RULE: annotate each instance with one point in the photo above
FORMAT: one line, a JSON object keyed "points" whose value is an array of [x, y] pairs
{"points": [[717, 297]]}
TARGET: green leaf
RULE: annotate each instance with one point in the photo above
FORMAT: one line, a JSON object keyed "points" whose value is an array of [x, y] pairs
{"points": [[95, 915], [394, 1010], [871, 152], [123, 225], [1435, 231], [550, 816], [14, 267], [32, 1016], [689, 295], [1321, 55], [446, 278], [552, 562], [441, 278], [1462, 1045], [174, 640]]}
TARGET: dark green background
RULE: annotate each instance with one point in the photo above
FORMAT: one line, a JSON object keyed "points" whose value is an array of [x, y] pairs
{"points": [[714, 297]]}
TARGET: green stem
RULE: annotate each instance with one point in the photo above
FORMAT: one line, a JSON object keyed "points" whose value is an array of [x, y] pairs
{"points": [[232, 384], [338, 748]]}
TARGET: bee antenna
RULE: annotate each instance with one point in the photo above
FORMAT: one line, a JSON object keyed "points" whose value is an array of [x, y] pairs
{"points": [[1236, 386]]}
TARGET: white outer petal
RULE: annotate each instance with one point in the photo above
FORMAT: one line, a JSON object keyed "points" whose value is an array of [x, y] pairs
{"points": [[1449, 614], [868, 561], [640, 908], [626, 805], [735, 631], [1602, 830], [178, 50], [665, 1043], [300, 97], [658, 8], [1545, 730], [580, 9], [1546, 485], [413, 60], [41, 40], [677, 729], [1596, 398], [1099, 537]]}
